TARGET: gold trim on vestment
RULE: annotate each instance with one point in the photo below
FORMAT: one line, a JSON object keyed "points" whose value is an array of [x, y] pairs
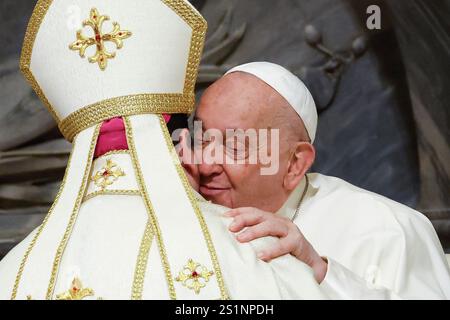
{"points": [[111, 193], [74, 215], [193, 201], [152, 217], [113, 152], [141, 264], [41, 228]]}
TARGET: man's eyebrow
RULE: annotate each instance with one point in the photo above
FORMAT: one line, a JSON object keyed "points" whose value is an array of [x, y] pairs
{"points": [[237, 130]]}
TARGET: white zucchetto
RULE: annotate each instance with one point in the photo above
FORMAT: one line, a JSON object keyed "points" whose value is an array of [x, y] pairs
{"points": [[289, 87]]}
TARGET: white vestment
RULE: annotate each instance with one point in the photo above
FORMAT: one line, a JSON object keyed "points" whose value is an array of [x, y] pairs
{"points": [[376, 248], [105, 244]]}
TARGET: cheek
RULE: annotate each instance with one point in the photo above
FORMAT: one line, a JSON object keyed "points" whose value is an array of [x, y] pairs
{"points": [[249, 188], [245, 181], [240, 174]]}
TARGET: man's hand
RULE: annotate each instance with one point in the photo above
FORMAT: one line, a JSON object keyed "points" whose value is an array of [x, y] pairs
{"points": [[261, 224]]}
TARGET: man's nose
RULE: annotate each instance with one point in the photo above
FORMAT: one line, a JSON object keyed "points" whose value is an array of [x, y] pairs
{"points": [[209, 169]]}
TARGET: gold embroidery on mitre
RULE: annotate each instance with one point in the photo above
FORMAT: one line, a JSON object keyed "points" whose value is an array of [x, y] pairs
{"points": [[76, 292], [194, 276], [107, 175], [116, 36]]}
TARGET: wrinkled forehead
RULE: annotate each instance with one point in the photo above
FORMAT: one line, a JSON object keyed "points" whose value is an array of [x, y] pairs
{"points": [[239, 100]]}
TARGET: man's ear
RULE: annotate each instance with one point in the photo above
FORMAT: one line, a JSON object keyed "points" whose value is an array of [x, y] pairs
{"points": [[300, 162]]}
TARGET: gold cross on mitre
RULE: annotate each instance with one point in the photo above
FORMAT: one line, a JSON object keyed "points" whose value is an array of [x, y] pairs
{"points": [[96, 22]]}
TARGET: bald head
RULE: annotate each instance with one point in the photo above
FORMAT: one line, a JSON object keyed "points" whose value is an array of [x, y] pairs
{"points": [[240, 98]]}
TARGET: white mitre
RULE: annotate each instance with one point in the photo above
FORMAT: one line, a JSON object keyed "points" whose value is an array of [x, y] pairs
{"points": [[127, 225], [289, 87], [92, 60]]}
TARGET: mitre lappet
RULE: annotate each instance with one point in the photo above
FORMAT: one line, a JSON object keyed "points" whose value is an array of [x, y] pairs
{"points": [[125, 223]]}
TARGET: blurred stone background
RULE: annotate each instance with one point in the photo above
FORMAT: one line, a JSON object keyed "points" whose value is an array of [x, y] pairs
{"points": [[382, 96]]}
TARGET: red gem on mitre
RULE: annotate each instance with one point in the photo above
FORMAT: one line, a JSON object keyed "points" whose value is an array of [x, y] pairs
{"points": [[98, 37], [195, 274], [105, 173]]}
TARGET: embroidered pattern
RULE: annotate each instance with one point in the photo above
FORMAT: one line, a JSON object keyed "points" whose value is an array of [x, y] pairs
{"points": [[194, 276], [73, 218], [154, 227], [116, 36], [107, 175], [135, 104], [112, 193], [76, 292], [41, 228]]}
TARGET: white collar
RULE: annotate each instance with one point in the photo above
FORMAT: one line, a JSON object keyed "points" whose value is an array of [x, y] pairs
{"points": [[290, 206]]}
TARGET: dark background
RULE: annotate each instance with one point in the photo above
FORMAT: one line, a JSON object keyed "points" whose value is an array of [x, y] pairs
{"points": [[382, 97]]}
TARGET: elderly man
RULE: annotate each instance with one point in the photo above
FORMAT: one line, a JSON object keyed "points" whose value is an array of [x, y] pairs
{"points": [[360, 245]]}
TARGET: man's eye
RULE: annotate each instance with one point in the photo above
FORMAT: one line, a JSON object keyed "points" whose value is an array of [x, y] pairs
{"points": [[198, 141], [231, 151], [207, 140], [237, 153]]}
